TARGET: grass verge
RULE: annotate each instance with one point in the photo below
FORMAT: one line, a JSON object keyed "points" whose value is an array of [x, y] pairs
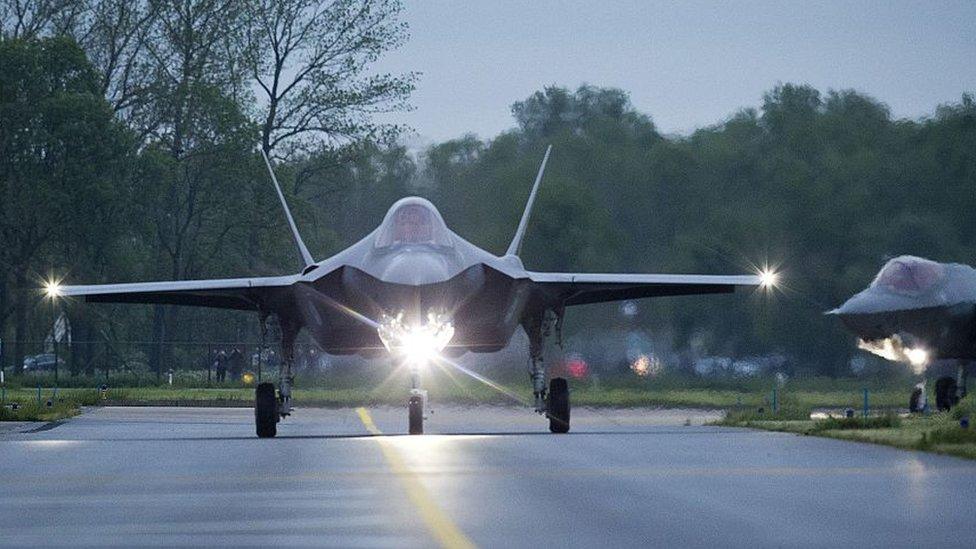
{"points": [[940, 432]]}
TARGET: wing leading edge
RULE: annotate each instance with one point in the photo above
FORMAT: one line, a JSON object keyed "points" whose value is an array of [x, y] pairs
{"points": [[583, 288], [232, 293]]}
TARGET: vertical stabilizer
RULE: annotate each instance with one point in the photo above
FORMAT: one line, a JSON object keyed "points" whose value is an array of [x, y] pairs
{"points": [[302, 249], [516, 246]]}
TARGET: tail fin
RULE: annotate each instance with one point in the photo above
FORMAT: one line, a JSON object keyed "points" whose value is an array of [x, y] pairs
{"points": [[306, 257], [516, 246]]}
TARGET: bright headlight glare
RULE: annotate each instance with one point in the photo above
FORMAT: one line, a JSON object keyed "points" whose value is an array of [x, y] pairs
{"points": [[416, 344]]}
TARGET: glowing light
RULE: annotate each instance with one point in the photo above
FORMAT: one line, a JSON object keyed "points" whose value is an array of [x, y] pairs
{"points": [[917, 357], [52, 289], [418, 345], [645, 366], [768, 278], [247, 378], [577, 368], [894, 348]]}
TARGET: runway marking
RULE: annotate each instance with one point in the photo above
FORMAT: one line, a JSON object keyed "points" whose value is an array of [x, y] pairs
{"points": [[444, 530]]}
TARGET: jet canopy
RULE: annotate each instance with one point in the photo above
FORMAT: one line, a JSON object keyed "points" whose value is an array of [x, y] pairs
{"points": [[909, 275], [413, 221]]}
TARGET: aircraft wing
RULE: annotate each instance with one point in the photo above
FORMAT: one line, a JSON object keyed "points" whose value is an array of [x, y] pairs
{"points": [[231, 293], [583, 288]]}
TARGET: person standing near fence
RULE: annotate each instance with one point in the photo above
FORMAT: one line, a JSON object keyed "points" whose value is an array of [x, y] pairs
{"points": [[221, 366], [236, 365]]}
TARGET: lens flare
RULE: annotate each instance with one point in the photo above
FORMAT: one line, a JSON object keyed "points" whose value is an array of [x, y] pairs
{"points": [[895, 349], [768, 278], [52, 289], [418, 345]]}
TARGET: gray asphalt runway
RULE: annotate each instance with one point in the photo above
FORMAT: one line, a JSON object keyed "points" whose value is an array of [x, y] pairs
{"points": [[492, 478]]}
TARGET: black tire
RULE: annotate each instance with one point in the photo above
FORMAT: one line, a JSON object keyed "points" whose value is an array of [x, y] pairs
{"points": [[415, 412], [945, 393], [266, 410], [914, 400], [558, 405]]}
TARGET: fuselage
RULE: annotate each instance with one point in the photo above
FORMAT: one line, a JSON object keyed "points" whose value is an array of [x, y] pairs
{"points": [[411, 265], [917, 304]]}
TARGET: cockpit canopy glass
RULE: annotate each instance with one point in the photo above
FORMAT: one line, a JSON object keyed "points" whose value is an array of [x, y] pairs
{"points": [[413, 221], [909, 275]]}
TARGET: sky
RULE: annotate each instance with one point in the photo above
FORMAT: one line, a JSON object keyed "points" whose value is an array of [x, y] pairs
{"points": [[687, 64]]}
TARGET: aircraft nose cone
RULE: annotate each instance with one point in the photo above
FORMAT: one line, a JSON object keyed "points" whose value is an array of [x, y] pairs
{"points": [[861, 315], [859, 304]]}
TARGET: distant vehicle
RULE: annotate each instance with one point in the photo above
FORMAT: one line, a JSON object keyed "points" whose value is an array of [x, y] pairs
{"points": [[43, 361], [918, 311], [419, 290]]}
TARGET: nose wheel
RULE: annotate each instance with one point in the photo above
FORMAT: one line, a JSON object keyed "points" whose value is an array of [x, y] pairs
{"points": [[415, 413]]}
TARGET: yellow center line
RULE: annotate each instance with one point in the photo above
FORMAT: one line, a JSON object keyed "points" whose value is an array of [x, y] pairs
{"points": [[440, 525]]}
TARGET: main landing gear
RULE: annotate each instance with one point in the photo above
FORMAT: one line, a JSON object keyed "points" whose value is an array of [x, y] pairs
{"points": [[557, 405], [266, 410], [269, 408], [554, 402]]}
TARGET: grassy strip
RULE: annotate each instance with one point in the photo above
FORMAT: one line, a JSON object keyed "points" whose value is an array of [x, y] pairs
{"points": [[939, 433], [469, 393], [745, 397], [30, 410]]}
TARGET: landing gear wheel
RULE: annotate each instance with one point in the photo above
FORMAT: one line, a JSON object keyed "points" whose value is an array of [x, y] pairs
{"points": [[558, 405], [415, 409], [265, 410], [945, 393]]}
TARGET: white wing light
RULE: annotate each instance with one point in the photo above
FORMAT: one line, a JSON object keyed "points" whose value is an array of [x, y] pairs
{"points": [[768, 278], [52, 289]]}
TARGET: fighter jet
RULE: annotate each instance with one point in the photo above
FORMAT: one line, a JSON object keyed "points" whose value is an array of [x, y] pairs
{"points": [[917, 311], [418, 292]]}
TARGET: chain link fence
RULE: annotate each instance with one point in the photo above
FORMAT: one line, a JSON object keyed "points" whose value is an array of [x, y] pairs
{"points": [[144, 362]]}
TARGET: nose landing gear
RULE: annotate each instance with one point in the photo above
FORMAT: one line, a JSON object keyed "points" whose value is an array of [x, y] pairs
{"points": [[416, 405], [415, 412]]}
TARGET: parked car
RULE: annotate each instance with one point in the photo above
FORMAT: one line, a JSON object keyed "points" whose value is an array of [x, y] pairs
{"points": [[44, 361]]}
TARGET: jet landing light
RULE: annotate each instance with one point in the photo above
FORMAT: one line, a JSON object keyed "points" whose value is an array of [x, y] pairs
{"points": [[417, 345]]}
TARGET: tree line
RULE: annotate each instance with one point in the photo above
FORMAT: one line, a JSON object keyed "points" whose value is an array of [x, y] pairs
{"points": [[128, 151]]}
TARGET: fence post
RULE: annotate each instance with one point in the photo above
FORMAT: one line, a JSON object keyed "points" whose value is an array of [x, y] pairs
{"points": [[775, 401], [865, 402]]}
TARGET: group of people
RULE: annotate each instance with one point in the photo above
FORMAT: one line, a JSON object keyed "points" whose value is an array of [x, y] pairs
{"points": [[225, 362]]}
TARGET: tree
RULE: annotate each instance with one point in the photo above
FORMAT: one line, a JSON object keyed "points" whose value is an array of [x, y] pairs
{"points": [[28, 19], [311, 60], [61, 149], [114, 34]]}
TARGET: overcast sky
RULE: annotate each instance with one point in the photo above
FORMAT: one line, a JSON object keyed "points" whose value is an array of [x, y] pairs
{"points": [[687, 64]]}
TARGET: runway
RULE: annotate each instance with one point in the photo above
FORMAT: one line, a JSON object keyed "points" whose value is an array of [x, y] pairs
{"points": [[487, 476]]}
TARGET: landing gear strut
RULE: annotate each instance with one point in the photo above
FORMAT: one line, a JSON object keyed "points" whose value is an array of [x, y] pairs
{"points": [[416, 405], [554, 402], [268, 407]]}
